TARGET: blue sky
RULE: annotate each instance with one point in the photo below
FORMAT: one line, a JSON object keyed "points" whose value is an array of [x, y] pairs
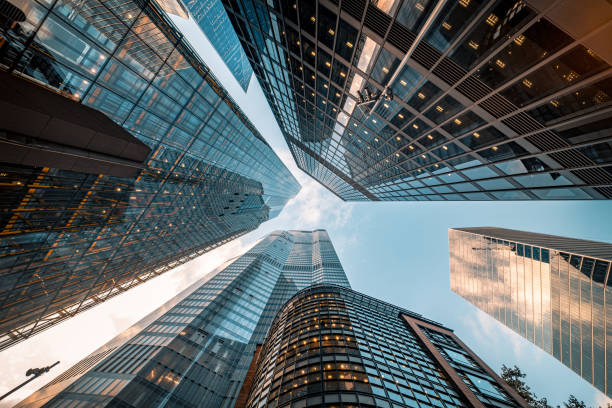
{"points": [[397, 252]]}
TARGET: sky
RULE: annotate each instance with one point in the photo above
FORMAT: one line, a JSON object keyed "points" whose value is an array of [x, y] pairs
{"points": [[397, 252]]}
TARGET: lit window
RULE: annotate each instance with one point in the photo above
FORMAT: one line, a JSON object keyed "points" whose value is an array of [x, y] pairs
{"points": [[446, 25], [492, 19], [473, 44], [519, 40]]}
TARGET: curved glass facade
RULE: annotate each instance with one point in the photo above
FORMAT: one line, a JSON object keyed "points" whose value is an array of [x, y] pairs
{"points": [[70, 239], [494, 102], [332, 347]]}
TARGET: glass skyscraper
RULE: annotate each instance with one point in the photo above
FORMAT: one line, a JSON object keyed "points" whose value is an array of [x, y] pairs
{"points": [[553, 291], [460, 100], [196, 349], [72, 236], [280, 327], [212, 19], [330, 346]]}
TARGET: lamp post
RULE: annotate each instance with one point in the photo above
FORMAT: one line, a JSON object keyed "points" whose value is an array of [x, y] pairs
{"points": [[35, 372]]}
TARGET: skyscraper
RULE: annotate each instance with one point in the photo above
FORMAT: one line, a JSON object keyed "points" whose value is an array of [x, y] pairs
{"points": [[330, 345], [196, 349], [191, 174], [553, 291], [212, 19], [433, 100], [280, 326]]}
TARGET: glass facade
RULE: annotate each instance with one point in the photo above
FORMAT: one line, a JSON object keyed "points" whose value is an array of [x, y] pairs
{"points": [[198, 350], [494, 102], [332, 347], [71, 239], [553, 291], [212, 19]]}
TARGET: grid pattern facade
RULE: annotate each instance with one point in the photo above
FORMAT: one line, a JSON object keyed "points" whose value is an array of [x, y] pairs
{"points": [[559, 300], [212, 19], [69, 239], [198, 352], [333, 347], [491, 100]]}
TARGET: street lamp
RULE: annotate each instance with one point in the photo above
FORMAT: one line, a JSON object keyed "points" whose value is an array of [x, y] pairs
{"points": [[35, 372]]}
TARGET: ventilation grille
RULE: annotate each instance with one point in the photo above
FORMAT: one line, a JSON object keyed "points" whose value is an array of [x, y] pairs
{"points": [[604, 191], [594, 176], [426, 55], [473, 89], [353, 7], [572, 158], [497, 106], [449, 72], [80, 367], [400, 37], [547, 141], [377, 21]]}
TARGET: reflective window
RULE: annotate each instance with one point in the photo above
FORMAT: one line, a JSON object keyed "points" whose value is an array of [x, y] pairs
{"points": [[571, 67], [385, 67], [597, 95], [502, 19], [536, 43]]}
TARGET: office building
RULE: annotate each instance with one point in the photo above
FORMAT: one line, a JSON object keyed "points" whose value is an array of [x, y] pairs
{"points": [[433, 100], [278, 327], [92, 207], [196, 349], [553, 291], [330, 346], [212, 19]]}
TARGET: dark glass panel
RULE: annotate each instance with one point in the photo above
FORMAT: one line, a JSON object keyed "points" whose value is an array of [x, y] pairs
{"points": [[599, 153], [386, 64], [443, 109], [504, 18], [600, 270], [537, 42], [597, 95], [463, 123], [574, 65], [450, 23], [505, 151], [346, 39], [483, 137], [424, 96]]}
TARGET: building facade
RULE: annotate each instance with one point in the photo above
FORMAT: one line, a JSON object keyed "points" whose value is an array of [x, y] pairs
{"points": [[197, 349], [553, 291], [330, 347], [212, 19], [73, 235], [439, 100]]}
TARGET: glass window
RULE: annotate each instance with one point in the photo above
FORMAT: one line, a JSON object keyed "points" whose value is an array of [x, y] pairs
{"points": [[543, 180], [327, 26], [574, 65], [501, 20], [501, 152], [385, 67], [585, 132], [483, 137], [424, 96], [443, 109], [536, 43], [598, 95], [463, 123], [346, 40], [599, 153], [405, 82], [412, 14], [450, 23]]}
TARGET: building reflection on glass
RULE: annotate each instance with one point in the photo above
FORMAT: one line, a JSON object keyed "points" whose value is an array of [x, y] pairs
{"points": [[71, 238], [196, 349], [553, 291]]}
